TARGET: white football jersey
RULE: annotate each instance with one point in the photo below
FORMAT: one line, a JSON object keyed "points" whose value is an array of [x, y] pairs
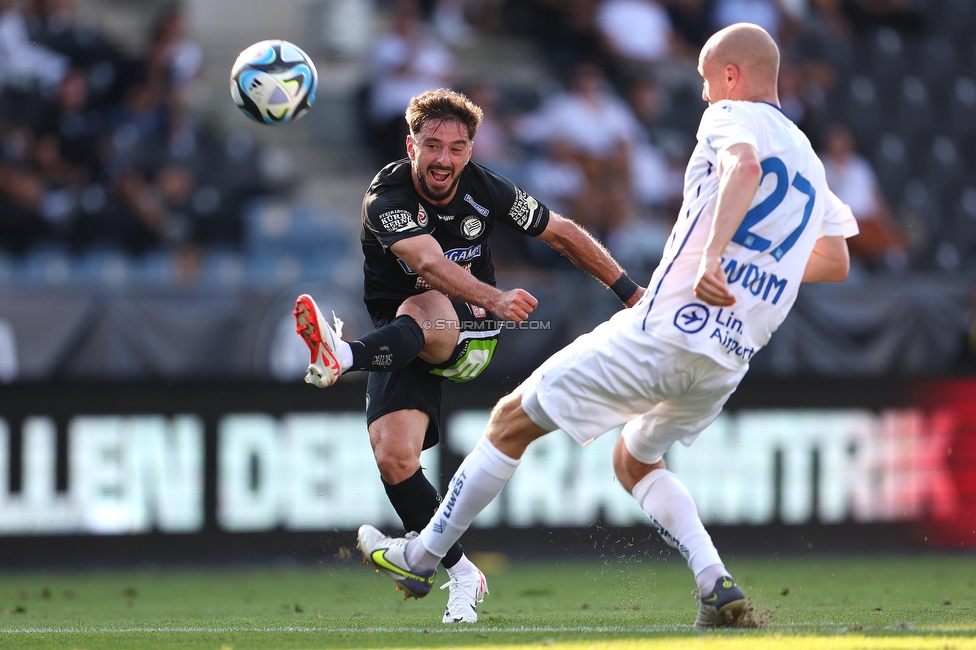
{"points": [[765, 260]]}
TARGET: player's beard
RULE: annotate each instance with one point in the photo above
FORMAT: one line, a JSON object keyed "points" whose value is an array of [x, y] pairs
{"points": [[429, 192]]}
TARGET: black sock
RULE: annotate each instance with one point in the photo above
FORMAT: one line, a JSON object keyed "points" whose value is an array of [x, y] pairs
{"points": [[388, 348], [416, 500]]}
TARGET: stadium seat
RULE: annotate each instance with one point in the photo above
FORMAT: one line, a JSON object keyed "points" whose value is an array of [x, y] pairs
{"points": [[223, 268], [945, 168], [864, 115], [927, 220], [964, 227], [104, 267], [916, 118], [47, 265], [937, 66], [892, 165], [962, 107], [888, 60], [154, 268], [8, 266], [272, 269]]}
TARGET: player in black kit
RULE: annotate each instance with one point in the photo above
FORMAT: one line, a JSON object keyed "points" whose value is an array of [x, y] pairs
{"points": [[430, 291]]}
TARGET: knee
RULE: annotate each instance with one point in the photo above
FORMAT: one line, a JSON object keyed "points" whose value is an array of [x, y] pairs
{"points": [[629, 470], [395, 466], [412, 308], [510, 429]]}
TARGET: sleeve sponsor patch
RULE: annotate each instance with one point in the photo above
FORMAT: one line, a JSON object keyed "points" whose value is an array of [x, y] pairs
{"points": [[397, 221], [525, 210]]}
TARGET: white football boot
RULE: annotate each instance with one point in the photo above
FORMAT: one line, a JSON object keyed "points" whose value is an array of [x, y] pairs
{"points": [[322, 341], [466, 592]]}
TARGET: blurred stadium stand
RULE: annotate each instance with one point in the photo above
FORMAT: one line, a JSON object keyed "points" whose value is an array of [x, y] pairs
{"points": [[265, 213]]}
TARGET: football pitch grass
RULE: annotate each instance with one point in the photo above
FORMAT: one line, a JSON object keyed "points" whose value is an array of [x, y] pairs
{"points": [[848, 602]]}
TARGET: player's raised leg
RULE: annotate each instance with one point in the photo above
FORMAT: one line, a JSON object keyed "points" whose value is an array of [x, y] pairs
{"points": [[385, 349]]}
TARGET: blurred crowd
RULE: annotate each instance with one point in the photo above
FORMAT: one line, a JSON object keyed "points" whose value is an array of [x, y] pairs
{"points": [[604, 136], [99, 145]]}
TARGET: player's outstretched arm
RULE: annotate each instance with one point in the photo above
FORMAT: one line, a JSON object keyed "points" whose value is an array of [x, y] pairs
{"points": [[830, 261], [569, 238], [425, 256]]}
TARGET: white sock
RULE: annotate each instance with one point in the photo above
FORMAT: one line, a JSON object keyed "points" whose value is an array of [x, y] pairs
{"points": [[672, 511], [706, 579], [476, 483], [345, 356], [464, 567]]}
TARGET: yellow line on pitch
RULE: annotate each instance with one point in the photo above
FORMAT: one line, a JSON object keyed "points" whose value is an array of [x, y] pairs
{"points": [[771, 642]]}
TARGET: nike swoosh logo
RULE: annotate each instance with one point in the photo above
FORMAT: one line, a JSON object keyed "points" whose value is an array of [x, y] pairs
{"points": [[379, 558], [711, 599]]}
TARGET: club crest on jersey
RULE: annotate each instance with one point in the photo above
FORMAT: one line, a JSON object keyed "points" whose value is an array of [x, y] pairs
{"points": [[421, 216], [483, 211], [479, 312], [472, 227], [692, 318]]}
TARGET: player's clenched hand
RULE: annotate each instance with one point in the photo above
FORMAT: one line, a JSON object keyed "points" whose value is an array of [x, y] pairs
{"points": [[711, 285], [515, 305]]}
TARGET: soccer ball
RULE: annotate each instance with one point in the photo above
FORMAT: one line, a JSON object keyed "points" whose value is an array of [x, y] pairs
{"points": [[273, 82]]}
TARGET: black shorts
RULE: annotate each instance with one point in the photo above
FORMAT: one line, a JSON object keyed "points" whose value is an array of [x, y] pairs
{"points": [[418, 384]]}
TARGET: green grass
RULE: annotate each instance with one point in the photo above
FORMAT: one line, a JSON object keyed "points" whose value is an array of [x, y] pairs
{"points": [[918, 601]]}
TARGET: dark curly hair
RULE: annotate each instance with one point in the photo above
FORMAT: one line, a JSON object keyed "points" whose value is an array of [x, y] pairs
{"points": [[443, 105]]}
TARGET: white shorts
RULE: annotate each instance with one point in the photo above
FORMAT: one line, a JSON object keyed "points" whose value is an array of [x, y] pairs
{"points": [[619, 374]]}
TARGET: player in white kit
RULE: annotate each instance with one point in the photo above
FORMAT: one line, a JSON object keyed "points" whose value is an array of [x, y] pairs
{"points": [[756, 221]]}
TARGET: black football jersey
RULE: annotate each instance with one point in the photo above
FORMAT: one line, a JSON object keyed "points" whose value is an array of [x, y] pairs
{"points": [[393, 210]]}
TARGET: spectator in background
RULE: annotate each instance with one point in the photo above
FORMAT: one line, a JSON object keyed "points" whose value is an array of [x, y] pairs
{"points": [[657, 185], [21, 191], [22, 63], [691, 24], [494, 141], [447, 17], [178, 58], [880, 243], [635, 33], [565, 31], [404, 63], [601, 129], [765, 13], [792, 99]]}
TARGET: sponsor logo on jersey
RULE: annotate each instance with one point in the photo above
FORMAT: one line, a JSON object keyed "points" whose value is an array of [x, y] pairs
{"points": [[463, 254], [397, 221], [483, 211], [692, 318], [732, 345], [457, 255], [472, 227], [421, 216], [446, 217], [762, 284], [524, 211]]}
